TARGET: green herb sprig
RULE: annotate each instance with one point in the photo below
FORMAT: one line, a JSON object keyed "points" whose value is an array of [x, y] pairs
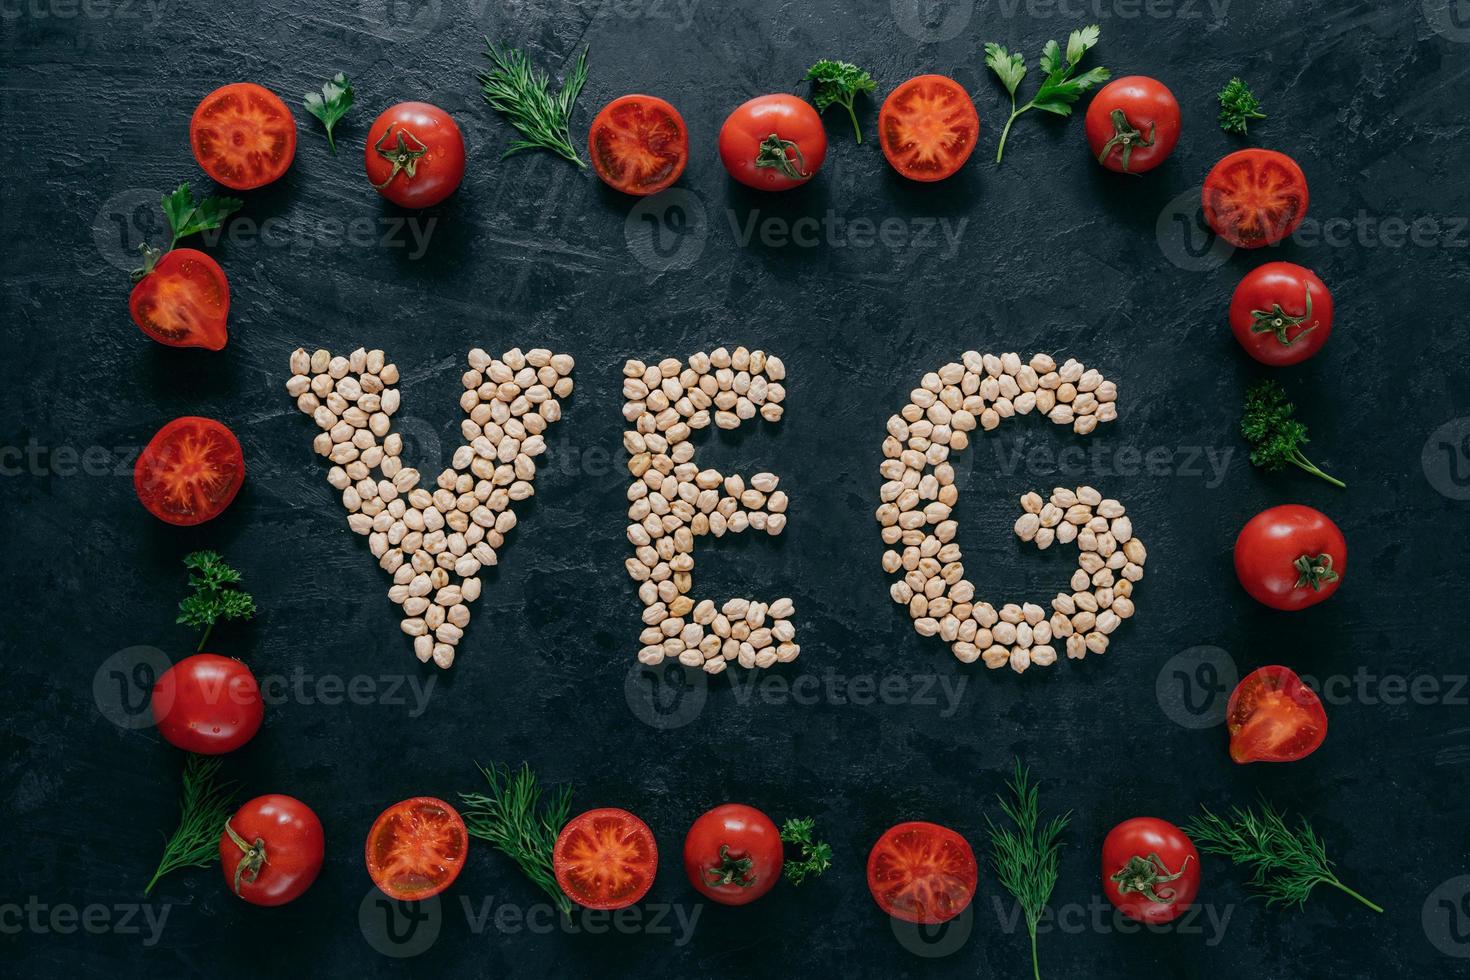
{"points": [[512, 816], [186, 217], [1286, 863], [816, 856], [1267, 423], [331, 104], [522, 93], [1062, 86], [839, 83], [205, 804], [1025, 858], [1238, 106], [217, 594]]}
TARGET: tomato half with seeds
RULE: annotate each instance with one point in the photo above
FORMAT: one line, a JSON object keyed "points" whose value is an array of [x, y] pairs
{"points": [[928, 127], [207, 704], [733, 854], [243, 135], [271, 850], [1281, 313], [638, 144], [1150, 870], [605, 859], [922, 872], [1273, 717], [773, 142], [183, 300], [415, 154], [416, 848], [1290, 557], [1255, 197], [1132, 124], [190, 471]]}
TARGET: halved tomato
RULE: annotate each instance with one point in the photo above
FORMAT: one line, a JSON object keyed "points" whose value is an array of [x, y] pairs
{"points": [[638, 144], [243, 135], [189, 471], [605, 859], [1273, 717], [183, 301], [922, 872], [416, 848], [928, 127], [1255, 197]]}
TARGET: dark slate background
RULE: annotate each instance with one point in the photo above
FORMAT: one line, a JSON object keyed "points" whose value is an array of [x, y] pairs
{"points": [[1053, 255]]}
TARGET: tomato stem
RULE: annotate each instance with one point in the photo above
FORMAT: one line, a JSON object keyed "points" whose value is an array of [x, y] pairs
{"points": [[250, 863], [1277, 321], [773, 153], [1126, 136], [403, 157]]}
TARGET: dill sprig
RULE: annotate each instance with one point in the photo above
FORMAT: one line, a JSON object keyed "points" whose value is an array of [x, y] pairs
{"points": [[1025, 859], [513, 817], [204, 806], [522, 93], [1286, 864]]}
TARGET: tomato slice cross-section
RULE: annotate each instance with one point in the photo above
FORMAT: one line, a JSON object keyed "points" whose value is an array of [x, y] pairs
{"points": [[928, 127], [605, 859], [922, 872], [416, 848]]}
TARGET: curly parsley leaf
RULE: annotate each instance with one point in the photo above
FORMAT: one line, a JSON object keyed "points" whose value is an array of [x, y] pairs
{"points": [[331, 104], [1267, 423], [1238, 105], [217, 594], [1062, 86], [839, 83], [816, 856]]}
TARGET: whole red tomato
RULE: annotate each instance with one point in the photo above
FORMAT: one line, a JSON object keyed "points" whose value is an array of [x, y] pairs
{"points": [[1290, 557], [183, 300], [190, 471], [207, 704], [1255, 197], [1273, 717], [415, 154], [733, 854], [271, 849], [1132, 124], [1281, 313], [773, 142], [1150, 870]]}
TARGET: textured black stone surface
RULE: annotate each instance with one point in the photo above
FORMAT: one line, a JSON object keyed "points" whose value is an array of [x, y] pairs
{"points": [[1052, 254]]}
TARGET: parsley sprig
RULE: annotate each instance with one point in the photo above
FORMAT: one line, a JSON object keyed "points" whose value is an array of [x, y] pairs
{"points": [[816, 856], [839, 83], [1286, 863], [512, 816], [1267, 423], [1025, 859], [1062, 86], [205, 804], [522, 93], [331, 104], [1238, 106], [186, 217], [217, 594]]}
